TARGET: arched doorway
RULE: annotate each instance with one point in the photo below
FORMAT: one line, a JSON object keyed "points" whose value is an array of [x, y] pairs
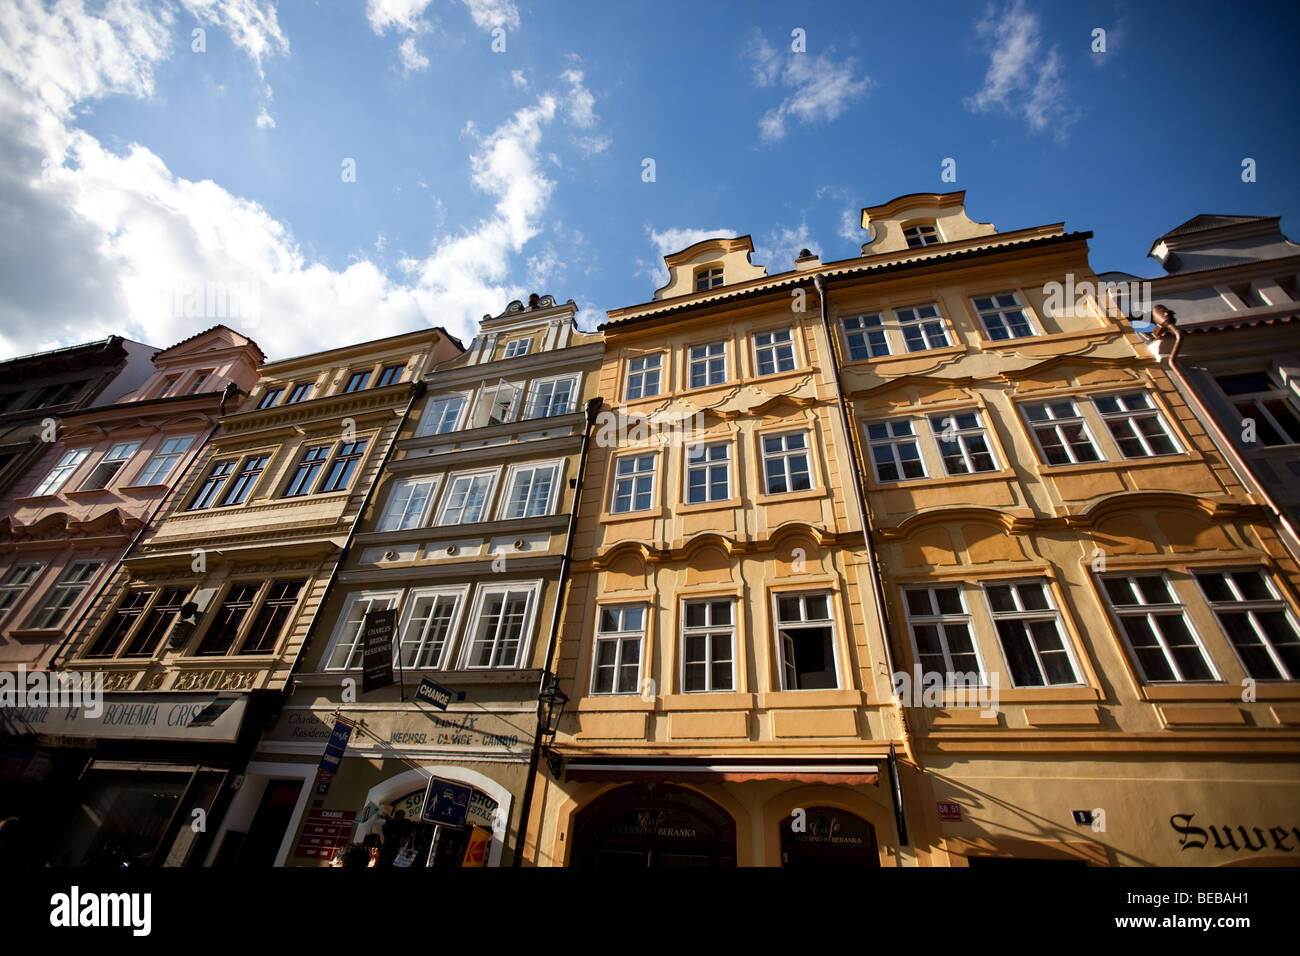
{"points": [[828, 836], [416, 843], [653, 825]]}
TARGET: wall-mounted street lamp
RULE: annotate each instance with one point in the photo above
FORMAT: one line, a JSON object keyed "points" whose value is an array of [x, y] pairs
{"points": [[550, 709]]}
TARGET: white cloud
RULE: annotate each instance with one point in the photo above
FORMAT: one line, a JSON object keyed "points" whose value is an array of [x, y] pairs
{"points": [[104, 242], [518, 79], [783, 244], [413, 61], [580, 111], [493, 13], [1021, 80], [380, 242], [252, 27], [821, 87], [265, 120]]}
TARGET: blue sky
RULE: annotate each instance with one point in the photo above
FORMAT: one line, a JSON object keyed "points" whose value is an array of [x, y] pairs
{"points": [[143, 173]]}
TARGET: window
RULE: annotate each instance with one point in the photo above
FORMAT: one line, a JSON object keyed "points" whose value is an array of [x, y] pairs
{"points": [[708, 472], [922, 327], [309, 467], [807, 640], [1029, 629], [390, 375], [430, 622], [357, 381], [124, 618], [708, 646], [345, 462], [157, 621], [1255, 395], [408, 505], [616, 663], [1136, 425], [347, 647], [466, 499], [56, 394], [707, 364], [554, 396], [498, 634], [243, 482], [942, 638], [281, 599], [225, 625], [59, 473], [785, 463], [110, 465], [15, 583], [168, 383], [531, 491], [774, 351], [963, 443], [1061, 434], [895, 453], [1156, 628], [212, 484], [197, 384], [496, 404], [865, 335], [270, 398], [164, 460], [518, 347], [300, 393], [442, 415], [708, 278], [1003, 316], [1256, 620], [65, 593], [634, 478], [922, 234], [643, 376]]}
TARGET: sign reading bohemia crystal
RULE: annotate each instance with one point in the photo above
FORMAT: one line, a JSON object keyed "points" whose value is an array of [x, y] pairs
{"points": [[377, 649]]}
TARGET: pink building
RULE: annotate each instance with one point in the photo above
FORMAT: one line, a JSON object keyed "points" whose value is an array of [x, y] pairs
{"points": [[67, 522]]}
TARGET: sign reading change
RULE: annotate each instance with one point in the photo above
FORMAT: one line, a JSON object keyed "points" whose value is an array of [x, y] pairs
{"points": [[377, 649]]}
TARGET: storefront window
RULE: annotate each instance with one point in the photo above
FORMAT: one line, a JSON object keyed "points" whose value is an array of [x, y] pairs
{"points": [[122, 819]]}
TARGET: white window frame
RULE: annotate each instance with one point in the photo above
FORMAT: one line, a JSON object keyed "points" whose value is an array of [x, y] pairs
{"points": [[512, 478], [784, 454], [575, 395], [1028, 616], [460, 594], [866, 330], [642, 374], [708, 631], [633, 476], [1150, 611], [426, 420], [1249, 607], [960, 439], [1151, 411], [618, 638], [488, 402], [920, 322], [469, 642], [119, 454], [10, 585], [64, 585], [355, 643], [1257, 401], [706, 464], [940, 620], [163, 461], [58, 476], [518, 347], [999, 311], [1054, 423], [490, 473], [706, 361], [893, 442], [803, 622], [707, 274], [773, 346], [421, 517]]}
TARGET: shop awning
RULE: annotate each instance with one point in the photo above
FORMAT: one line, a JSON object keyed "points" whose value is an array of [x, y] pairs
{"points": [[676, 771]]}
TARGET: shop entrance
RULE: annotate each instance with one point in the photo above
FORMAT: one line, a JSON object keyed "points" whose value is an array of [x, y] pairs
{"points": [[828, 836], [653, 825], [415, 843]]}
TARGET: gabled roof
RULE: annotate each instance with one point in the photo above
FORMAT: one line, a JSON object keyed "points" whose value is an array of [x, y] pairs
{"points": [[235, 340], [1206, 221]]}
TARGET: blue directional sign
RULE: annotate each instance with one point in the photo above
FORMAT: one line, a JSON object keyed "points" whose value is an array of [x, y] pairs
{"points": [[432, 693], [446, 802], [334, 749]]}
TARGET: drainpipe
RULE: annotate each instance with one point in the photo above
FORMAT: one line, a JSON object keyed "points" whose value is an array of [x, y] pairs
{"points": [[534, 758], [877, 586], [230, 390], [1167, 324]]}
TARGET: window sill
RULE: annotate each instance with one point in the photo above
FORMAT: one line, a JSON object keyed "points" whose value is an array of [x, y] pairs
{"points": [[616, 517], [1228, 693], [153, 487], [1048, 471], [783, 496], [907, 356], [86, 493], [35, 634], [728, 504], [910, 483], [821, 697], [38, 499]]}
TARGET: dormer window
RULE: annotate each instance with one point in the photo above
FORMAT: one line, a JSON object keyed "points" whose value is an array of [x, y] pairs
{"points": [[518, 347], [922, 234], [710, 277]]}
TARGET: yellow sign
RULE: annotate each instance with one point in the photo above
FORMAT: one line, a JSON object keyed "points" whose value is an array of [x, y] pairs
{"points": [[476, 853]]}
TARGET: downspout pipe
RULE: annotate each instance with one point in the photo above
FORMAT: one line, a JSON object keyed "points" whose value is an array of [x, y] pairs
{"points": [[230, 391], [877, 586], [1167, 325], [535, 757]]}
